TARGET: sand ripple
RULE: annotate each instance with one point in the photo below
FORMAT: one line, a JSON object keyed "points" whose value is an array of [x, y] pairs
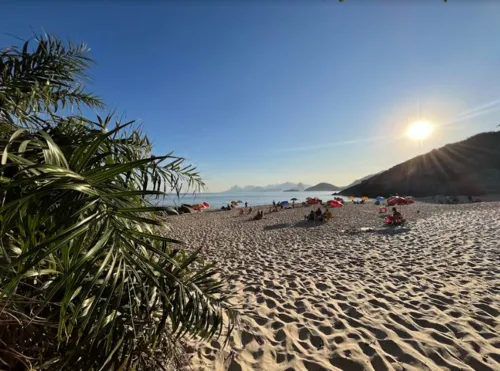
{"points": [[329, 297]]}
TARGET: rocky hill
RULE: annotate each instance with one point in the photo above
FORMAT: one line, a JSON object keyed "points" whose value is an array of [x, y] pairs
{"points": [[469, 167], [323, 187], [357, 181]]}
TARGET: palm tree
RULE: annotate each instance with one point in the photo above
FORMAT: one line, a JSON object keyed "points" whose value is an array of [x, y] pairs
{"points": [[88, 278]]}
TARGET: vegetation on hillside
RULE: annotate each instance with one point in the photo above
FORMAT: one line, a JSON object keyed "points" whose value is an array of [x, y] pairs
{"points": [[88, 279]]}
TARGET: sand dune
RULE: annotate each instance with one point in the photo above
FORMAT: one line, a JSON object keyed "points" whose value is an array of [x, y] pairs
{"points": [[334, 296]]}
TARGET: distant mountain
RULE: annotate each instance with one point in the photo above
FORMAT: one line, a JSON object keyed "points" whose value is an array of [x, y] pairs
{"points": [[323, 187], [470, 167], [270, 188], [291, 190]]}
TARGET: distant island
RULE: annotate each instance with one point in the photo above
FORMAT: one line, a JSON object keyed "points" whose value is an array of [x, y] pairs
{"points": [[288, 186], [470, 167], [322, 187]]}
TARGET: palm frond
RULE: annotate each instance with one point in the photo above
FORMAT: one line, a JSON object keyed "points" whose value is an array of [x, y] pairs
{"points": [[38, 81], [88, 281]]}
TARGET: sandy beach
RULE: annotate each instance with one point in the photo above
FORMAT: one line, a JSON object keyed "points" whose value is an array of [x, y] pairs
{"points": [[351, 294]]}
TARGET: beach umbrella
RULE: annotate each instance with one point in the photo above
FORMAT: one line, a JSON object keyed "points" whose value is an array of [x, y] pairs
{"points": [[294, 199], [399, 201], [333, 203]]}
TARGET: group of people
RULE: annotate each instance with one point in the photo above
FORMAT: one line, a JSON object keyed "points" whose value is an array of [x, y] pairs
{"points": [[319, 215], [277, 205], [231, 206], [259, 215], [242, 211]]}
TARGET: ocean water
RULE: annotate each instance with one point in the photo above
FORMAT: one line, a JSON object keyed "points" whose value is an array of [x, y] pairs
{"points": [[217, 200]]}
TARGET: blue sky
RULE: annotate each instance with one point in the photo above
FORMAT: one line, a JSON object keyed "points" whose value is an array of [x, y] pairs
{"points": [[260, 93]]}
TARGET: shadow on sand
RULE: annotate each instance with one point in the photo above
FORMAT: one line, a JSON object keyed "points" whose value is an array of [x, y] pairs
{"points": [[308, 224], [277, 226], [392, 231]]}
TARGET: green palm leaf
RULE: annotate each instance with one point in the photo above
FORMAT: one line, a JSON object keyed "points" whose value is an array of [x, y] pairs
{"points": [[84, 268]]}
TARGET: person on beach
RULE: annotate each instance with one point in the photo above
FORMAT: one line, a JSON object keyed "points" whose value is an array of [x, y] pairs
{"points": [[241, 211], [259, 216], [310, 216], [274, 203], [246, 204], [250, 210], [319, 213], [328, 214], [396, 215]]}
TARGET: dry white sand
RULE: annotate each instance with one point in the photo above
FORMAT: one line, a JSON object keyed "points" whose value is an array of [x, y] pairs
{"points": [[422, 297]]}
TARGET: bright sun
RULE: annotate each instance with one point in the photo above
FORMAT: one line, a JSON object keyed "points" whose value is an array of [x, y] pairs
{"points": [[420, 130]]}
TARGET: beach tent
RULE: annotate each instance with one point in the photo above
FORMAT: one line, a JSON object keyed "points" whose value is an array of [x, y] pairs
{"points": [[206, 205], [364, 198], [235, 203], [380, 199], [333, 203], [351, 198], [284, 203]]}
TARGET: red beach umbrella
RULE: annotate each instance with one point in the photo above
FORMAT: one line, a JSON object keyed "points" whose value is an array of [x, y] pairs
{"points": [[333, 203]]}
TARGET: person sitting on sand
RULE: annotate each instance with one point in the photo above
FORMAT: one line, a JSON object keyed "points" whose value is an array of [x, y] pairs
{"points": [[396, 215], [242, 211], [250, 210], [310, 216], [319, 213], [259, 216], [328, 214]]}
